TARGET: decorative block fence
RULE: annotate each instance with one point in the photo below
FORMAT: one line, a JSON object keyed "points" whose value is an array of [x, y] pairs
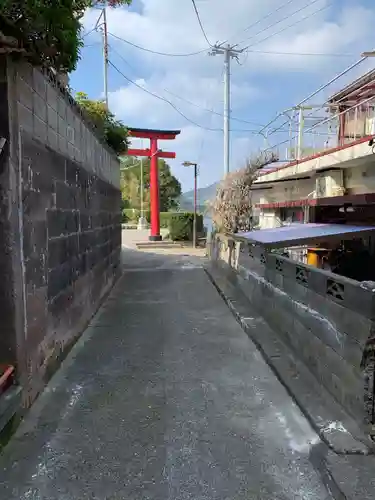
{"points": [[326, 319]]}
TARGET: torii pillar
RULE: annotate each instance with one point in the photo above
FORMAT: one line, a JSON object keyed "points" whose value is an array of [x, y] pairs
{"points": [[153, 153]]}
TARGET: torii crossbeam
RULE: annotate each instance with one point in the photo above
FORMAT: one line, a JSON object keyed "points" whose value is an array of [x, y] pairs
{"points": [[153, 153]]}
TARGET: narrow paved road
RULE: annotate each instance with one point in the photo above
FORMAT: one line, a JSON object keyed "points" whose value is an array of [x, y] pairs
{"points": [[164, 398]]}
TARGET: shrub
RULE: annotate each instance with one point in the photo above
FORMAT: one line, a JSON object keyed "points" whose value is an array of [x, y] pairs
{"points": [[165, 219], [181, 226], [130, 215]]}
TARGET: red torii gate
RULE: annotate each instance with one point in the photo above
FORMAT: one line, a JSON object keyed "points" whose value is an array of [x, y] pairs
{"points": [[153, 153]]}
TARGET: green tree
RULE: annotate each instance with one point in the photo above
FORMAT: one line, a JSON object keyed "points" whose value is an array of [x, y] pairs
{"points": [[51, 28], [169, 186], [112, 131]]}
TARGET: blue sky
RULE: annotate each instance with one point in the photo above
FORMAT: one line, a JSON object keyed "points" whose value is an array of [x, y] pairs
{"points": [[262, 85]]}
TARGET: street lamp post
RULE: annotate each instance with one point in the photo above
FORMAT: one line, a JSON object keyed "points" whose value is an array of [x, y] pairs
{"points": [[195, 165]]}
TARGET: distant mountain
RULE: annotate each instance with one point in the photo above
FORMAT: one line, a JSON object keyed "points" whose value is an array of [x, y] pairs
{"points": [[203, 195]]}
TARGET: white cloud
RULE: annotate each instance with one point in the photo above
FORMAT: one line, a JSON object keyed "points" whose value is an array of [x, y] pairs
{"points": [[171, 26]]}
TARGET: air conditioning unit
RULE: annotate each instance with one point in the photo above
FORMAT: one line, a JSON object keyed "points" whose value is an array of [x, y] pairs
{"points": [[330, 184]]}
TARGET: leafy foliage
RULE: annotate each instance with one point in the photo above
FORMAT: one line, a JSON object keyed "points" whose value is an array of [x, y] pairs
{"points": [[169, 186], [112, 131], [232, 209], [181, 226], [52, 28]]}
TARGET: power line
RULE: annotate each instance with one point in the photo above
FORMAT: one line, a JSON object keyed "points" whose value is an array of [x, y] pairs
{"points": [[145, 49], [261, 19], [191, 102], [163, 99], [298, 53], [313, 94], [122, 58], [173, 106], [289, 26], [95, 44], [211, 110], [309, 4], [204, 135], [200, 23], [323, 122], [89, 32]]}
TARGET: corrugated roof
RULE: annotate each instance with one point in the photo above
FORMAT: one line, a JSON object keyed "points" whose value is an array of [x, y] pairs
{"points": [[299, 234]]}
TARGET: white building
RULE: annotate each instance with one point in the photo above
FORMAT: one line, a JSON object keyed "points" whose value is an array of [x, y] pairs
{"points": [[336, 183]]}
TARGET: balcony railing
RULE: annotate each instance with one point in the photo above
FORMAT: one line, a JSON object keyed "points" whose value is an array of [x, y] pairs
{"points": [[330, 130]]}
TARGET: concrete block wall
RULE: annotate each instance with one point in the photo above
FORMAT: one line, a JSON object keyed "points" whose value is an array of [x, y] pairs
{"points": [[63, 204], [8, 344], [71, 247], [326, 319], [48, 113]]}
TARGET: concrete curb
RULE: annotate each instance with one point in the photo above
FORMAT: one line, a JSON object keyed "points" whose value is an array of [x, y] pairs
{"points": [[335, 428], [159, 244]]}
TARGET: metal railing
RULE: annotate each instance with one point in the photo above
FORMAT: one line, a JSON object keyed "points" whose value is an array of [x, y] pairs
{"points": [[328, 131]]}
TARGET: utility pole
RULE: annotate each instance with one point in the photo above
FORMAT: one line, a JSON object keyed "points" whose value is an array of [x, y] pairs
{"points": [[301, 127], [104, 30], [105, 56], [301, 124], [229, 52], [195, 166]]}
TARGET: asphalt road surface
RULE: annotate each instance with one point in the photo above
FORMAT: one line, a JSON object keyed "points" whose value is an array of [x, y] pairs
{"points": [[163, 398]]}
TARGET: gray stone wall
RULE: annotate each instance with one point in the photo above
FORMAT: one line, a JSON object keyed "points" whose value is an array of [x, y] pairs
{"points": [[326, 319], [7, 339], [71, 247], [64, 234], [49, 114]]}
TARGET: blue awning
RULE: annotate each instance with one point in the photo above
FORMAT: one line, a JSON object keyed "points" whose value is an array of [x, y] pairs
{"points": [[302, 234]]}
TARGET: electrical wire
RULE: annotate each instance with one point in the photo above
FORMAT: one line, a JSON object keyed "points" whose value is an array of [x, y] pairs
{"points": [[200, 23], [297, 53], [211, 110], [313, 94], [323, 121], [89, 32], [308, 4], [145, 49], [320, 108], [200, 152], [289, 25], [190, 102], [271, 13], [164, 100], [175, 107]]}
